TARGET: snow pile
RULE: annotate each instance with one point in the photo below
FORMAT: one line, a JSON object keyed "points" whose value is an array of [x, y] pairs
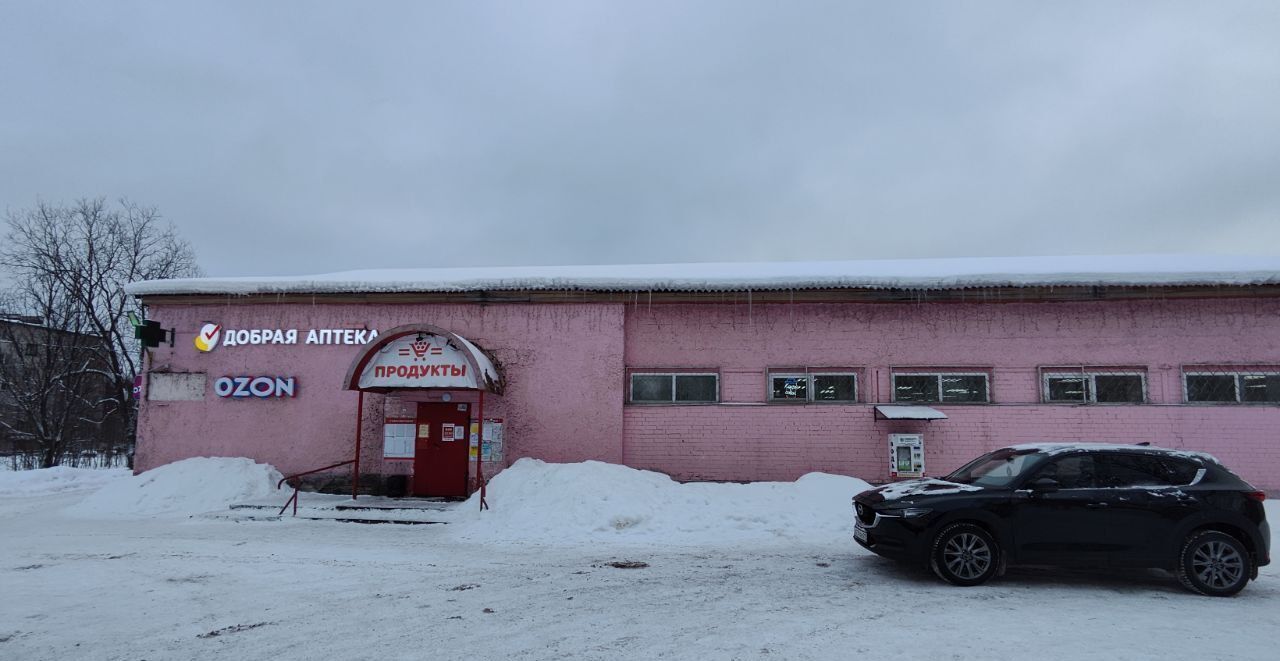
{"points": [[59, 479], [590, 502], [183, 488]]}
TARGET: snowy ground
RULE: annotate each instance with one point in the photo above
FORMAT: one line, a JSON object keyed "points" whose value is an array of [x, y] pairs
{"points": [[165, 587]]}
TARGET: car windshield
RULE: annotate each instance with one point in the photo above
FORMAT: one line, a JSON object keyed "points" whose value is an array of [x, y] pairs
{"points": [[996, 469]]}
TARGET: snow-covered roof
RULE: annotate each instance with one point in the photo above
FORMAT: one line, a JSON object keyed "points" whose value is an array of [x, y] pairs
{"points": [[921, 274]]}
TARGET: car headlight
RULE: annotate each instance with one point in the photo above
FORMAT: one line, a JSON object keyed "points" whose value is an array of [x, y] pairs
{"points": [[915, 512]]}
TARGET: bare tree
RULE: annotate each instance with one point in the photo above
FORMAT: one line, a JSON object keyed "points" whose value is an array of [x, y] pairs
{"points": [[71, 264], [54, 388]]}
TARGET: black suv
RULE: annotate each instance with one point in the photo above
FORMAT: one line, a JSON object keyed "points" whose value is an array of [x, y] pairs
{"points": [[1082, 504]]}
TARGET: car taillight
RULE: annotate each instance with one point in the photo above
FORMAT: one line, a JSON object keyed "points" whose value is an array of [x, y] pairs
{"points": [[1256, 495]]}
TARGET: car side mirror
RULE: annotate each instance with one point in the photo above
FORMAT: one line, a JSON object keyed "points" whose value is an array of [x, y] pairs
{"points": [[1043, 485], [1040, 486]]}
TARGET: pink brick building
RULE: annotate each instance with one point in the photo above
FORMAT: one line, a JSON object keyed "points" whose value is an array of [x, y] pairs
{"points": [[720, 372]]}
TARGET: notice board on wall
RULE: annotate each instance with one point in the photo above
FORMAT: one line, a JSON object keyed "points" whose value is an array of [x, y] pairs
{"points": [[398, 436], [491, 449]]}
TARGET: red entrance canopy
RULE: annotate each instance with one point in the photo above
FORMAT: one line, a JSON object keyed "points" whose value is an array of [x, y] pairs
{"points": [[420, 356]]}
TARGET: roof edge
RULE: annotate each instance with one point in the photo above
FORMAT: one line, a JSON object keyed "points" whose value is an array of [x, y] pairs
{"points": [[914, 275], [757, 297]]}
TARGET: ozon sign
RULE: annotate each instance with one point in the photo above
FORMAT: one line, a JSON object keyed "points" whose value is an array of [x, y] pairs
{"points": [[262, 387]]}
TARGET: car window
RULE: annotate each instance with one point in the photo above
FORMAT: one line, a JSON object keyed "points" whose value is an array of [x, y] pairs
{"points": [[1134, 470], [1073, 472], [998, 469], [1131, 470], [1181, 472]]}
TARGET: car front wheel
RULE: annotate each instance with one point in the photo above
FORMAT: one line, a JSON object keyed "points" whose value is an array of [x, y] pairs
{"points": [[1214, 563], [965, 554]]}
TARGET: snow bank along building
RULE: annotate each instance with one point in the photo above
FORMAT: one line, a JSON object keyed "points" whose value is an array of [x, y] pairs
{"points": [[879, 369]]}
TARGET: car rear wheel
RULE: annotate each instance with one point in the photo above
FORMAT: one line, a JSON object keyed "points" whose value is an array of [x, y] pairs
{"points": [[964, 554], [1214, 563]]}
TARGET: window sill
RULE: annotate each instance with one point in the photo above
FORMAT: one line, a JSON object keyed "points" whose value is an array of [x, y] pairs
{"points": [[1231, 403], [939, 403], [1094, 403], [816, 402], [672, 403]]}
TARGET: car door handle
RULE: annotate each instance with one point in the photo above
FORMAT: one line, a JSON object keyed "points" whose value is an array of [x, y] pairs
{"points": [[1096, 506]]}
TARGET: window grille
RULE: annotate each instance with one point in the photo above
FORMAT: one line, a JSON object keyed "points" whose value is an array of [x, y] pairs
{"points": [[1093, 385], [941, 387], [674, 388], [1226, 384], [800, 386]]}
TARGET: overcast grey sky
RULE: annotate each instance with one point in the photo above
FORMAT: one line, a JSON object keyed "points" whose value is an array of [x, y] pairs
{"points": [[294, 137]]}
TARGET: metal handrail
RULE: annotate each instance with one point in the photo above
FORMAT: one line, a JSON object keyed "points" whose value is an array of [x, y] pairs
{"points": [[294, 498]]}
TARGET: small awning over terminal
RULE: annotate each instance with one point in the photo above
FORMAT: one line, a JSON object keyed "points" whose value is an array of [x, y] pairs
{"points": [[909, 413]]}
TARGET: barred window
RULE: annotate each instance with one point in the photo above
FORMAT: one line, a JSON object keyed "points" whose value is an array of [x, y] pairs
{"points": [[835, 387], [1260, 387], [1232, 387], [1094, 386], [940, 387], [813, 387], [789, 387], [674, 388]]}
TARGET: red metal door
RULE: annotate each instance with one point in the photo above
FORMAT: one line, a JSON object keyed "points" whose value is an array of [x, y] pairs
{"points": [[440, 449]]}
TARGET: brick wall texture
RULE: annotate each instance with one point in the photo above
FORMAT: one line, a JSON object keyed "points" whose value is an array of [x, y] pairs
{"points": [[744, 438], [566, 369]]}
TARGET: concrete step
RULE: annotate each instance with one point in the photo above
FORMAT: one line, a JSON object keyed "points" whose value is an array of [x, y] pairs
{"points": [[254, 513], [438, 505], [324, 501], [334, 507]]}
